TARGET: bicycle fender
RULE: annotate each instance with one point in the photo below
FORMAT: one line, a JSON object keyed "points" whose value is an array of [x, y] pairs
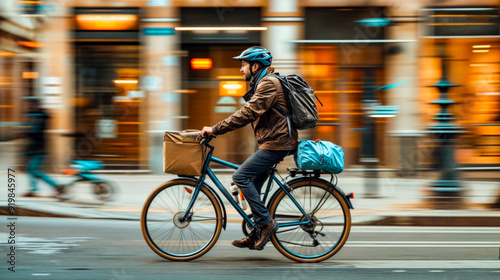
{"points": [[346, 197], [219, 200], [336, 187]]}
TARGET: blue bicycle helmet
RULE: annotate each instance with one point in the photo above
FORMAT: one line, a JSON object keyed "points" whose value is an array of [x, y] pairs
{"points": [[256, 54]]}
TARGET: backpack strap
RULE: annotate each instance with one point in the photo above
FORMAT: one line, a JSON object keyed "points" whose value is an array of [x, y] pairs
{"points": [[277, 83]]}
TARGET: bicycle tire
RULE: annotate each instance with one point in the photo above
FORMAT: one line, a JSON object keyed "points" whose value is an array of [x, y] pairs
{"points": [[104, 190], [333, 219], [172, 239]]}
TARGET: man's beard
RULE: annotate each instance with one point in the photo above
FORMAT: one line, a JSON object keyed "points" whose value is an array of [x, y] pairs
{"points": [[248, 78]]}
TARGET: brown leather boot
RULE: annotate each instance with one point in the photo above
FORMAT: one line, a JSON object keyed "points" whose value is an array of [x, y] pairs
{"points": [[246, 242], [265, 234]]}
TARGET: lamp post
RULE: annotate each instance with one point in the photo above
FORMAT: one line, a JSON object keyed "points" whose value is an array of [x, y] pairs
{"points": [[368, 155], [372, 111], [446, 190]]}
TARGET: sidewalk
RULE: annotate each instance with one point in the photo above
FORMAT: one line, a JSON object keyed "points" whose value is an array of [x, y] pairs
{"points": [[400, 201]]}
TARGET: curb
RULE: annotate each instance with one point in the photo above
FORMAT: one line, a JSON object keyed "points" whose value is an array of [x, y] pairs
{"points": [[20, 212]]}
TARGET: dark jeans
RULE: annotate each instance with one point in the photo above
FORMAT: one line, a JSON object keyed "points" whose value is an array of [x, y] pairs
{"points": [[34, 172], [251, 176]]}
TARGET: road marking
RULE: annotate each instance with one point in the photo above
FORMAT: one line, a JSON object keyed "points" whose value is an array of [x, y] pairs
{"points": [[421, 246], [419, 264], [399, 270], [484, 230], [49, 246], [40, 274], [426, 231], [426, 244], [436, 271], [406, 244]]}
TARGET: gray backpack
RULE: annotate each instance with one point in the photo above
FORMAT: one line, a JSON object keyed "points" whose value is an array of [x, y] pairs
{"points": [[301, 101]]}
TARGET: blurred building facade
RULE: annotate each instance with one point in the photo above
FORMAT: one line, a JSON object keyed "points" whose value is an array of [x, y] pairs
{"points": [[117, 74], [17, 62]]}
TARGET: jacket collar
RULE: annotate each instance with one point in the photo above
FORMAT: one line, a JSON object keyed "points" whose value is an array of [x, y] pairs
{"points": [[257, 76], [254, 81]]}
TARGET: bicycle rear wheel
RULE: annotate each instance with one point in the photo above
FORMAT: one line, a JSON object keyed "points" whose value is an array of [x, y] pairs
{"points": [[330, 221], [104, 190], [177, 240]]}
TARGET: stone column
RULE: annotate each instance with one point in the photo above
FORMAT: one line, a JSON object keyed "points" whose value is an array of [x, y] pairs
{"points": [[402, 66], [284, 20], [56, 86], [160, 80]]}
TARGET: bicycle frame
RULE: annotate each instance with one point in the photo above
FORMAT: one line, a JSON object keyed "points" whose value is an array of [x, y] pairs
{"points": [[81, 176], [207, 171], [81, 173]]}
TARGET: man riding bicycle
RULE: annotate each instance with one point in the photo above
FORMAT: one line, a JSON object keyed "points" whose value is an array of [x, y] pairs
{"points": [[275, 137]]}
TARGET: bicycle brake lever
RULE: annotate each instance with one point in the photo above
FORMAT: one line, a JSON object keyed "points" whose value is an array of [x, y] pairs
{"points": [[206, 138]]}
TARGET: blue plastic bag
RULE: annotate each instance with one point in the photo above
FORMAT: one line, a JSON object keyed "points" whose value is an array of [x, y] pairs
{"points": [[320, 155]]}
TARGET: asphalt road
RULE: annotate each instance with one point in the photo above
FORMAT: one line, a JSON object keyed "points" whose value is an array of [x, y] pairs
{"points": [[58, 248]]}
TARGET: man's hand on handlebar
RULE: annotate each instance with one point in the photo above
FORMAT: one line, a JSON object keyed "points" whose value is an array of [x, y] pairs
{"points": [[206, 131]]}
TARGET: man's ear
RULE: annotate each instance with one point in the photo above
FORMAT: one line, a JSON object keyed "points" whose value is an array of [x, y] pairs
{"points": [[255, 67]]}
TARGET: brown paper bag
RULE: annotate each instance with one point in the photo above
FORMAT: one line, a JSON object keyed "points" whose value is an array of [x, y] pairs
{"points": [[182, 153]]}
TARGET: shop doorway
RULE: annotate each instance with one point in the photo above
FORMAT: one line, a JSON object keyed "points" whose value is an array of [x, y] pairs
{"points": [[107, 104], [208, 101]]}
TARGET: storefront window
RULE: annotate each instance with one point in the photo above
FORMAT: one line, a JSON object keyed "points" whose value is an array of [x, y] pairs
{"points": [[341, 76], [474, 65]]}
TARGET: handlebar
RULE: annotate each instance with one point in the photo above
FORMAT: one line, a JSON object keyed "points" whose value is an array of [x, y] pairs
{"points": [[206, 139]]}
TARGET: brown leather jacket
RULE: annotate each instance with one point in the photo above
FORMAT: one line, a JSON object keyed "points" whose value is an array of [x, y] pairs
{"points": [[270, 127]]}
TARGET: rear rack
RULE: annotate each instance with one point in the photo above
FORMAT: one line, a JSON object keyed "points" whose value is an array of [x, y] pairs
{"points": [[292, 171]]}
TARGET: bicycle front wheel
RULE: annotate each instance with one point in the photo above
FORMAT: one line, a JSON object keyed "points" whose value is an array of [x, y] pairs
{"points": [[329, 226], [165, 232]]}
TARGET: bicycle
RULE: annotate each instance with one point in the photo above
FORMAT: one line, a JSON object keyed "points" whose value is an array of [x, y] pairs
{"points": [[103, 189], [81, 170], [182, 219]]}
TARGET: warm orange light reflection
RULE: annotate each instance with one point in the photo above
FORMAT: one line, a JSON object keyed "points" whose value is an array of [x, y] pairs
{"points": [[106, 22], [229, 77], [125, 81], [31, 44], [232, 88], [30, 75], [460, 24], [201, 63], [7, 54]]}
